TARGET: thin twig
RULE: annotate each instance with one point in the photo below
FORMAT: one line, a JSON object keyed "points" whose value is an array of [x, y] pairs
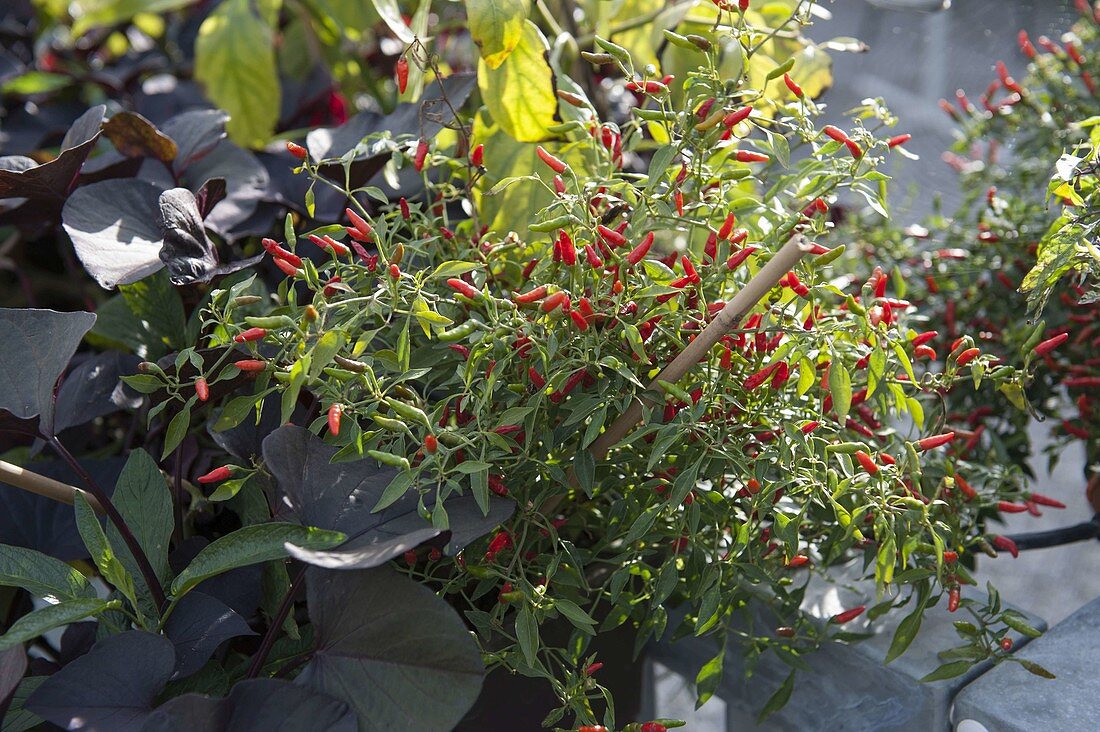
{"points": [[116, 518], [273, 629], [41, 485]]}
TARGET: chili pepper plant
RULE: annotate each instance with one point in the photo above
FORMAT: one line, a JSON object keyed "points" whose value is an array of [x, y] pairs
{"points": [[577, 366]]}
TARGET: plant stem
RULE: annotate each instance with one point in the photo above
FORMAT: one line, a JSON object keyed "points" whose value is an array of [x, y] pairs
{"points": [[273, 629], [41, 485], [116, 518]]}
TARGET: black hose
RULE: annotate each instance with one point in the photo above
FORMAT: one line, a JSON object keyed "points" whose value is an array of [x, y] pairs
{"points": [[1058, 537]]}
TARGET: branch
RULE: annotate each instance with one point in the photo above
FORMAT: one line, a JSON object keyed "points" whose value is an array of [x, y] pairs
{"points": [[43, 486]]}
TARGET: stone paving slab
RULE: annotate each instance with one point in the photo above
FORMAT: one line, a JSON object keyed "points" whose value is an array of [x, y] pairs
{"points": [[1010, 699]]}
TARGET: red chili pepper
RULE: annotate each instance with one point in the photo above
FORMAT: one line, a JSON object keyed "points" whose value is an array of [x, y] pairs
{"points": [[402, 71], [535, 377], [738, 258], [968, 492], [395, 272], [610, 235], [421, 155], [934, 441], [252, 334], [477, 157], [297, 150], [737, 117], [286, 267], [1010, 507], [678, 199], [950, 557], [568, 250], [760, 377], [1050, 344], [638, 253], [967, 356], [1046, 500], [792, 86], [953, 599], [646, 87], [410, 557], [531, 296], [899, 140], [404, 205], [250, 365], [1076, 381], [743, 5], [327, 242], [854, 149], [799, 560], [922, 338], [334, 414], [464, 288], [1003, 543], [578, 320], [272, 247], [747, 156], [592, 668], [848, 615], [653, 727], [556, 165], [835, 133], [217, 475], [1025, 44], [866, 462], [559, 298], [202, 389]]}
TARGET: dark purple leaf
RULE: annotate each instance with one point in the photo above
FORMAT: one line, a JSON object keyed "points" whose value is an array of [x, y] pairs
{"points": [[340, 496], [93, 389], [196, 133], [36, 522], [209, 195], [113, 225], [188, 254], [13, 664], [53, 179], [395, 652], [257, 705], [37, 346], [198, 625], [110, 689]]}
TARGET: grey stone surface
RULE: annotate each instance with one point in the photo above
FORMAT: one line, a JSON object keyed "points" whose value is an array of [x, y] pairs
{"points": [[847, 688], [1010, 699]]}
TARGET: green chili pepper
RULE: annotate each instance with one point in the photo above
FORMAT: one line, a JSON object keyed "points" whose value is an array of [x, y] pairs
{"points": [[781, 69], [408, 411], [459, 332], [271, 322], [388, 458], [558, 222], [845, 448], [393, 425], [673, 390]]}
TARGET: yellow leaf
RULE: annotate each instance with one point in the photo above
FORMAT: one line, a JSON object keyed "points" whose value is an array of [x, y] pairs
{"points": [[520, 92], [496, 27]]}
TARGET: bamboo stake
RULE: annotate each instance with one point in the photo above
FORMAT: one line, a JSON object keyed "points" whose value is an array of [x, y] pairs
{"points": [[43, 486], [726, 320]]}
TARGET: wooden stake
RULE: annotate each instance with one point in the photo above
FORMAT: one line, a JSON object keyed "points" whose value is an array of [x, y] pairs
{"points": [[43, 486]]}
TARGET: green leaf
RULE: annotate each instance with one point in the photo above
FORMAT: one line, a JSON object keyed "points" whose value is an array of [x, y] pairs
{"points": [[104, 557], [527, 633], [235, 411], [390, 13], [327, 346], [906, 632], [520, 92], [250, 545], [235, 63], [708, 678], [41, 575], [840, 387], [779, 699], [576, 615], [496, 27], [90, 14], [1036, 669], [142, 497], [177, 429], [948, 671], [36, 623]]}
